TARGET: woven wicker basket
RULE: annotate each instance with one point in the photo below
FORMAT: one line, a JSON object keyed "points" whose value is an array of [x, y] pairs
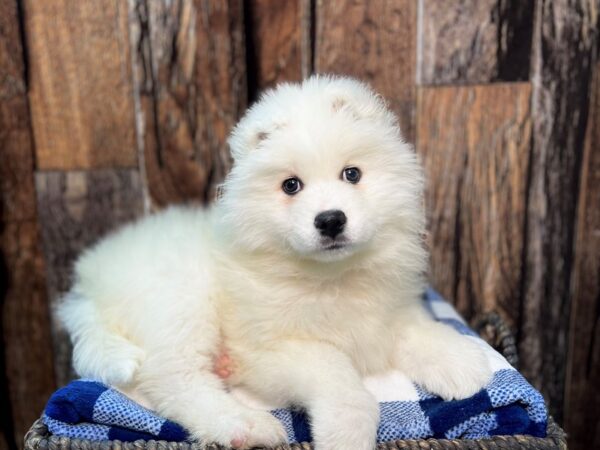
{"points": [[489, 325]]}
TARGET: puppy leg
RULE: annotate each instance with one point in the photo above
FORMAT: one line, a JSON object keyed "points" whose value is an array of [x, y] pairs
{"points": [[323, 380], [181, 386], [439, 358]]}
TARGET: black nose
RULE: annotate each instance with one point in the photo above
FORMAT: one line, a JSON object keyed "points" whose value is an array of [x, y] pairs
{"points": [[330, 223]]}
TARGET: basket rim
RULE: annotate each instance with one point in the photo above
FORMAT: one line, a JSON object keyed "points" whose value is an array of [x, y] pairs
{"points": [[39, 438]]}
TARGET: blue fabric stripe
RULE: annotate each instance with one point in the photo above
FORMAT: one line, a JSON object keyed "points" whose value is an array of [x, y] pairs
{"points": [[511, 419], [458, 326], [125, 435], [300, 426], [431, 295], [445, 415], [75, 403], [171, 431], [537, 429]]}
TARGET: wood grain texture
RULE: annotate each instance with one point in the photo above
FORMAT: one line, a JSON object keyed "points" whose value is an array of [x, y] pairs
{"points": [[374, 41], [475, 145], [17, 197], [27, 349], [277, 42], [582, 401], [80, 84], [474, 41], [192, 88], [76, 209], [565, 34], [27, 378]]}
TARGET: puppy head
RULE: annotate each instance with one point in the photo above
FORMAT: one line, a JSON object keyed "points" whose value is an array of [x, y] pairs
{"points": [[321, 172]]}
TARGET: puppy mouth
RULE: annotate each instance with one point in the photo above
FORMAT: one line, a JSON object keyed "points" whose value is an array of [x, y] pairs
{"points": [[333, 245]]}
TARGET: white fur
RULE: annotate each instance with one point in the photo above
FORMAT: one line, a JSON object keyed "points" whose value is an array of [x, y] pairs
{"points": [[152, 303]]}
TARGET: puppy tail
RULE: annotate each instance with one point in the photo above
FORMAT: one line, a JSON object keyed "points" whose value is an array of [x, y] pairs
{"points": [[99, 353]]}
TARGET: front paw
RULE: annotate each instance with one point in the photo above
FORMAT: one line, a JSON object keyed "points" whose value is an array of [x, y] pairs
{"points": [[447, 363], [350, 421], [259, 429], [458, 375], [244, 430]]}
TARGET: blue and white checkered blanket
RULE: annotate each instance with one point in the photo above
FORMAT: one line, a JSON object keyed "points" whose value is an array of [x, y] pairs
{"points": [[508, 405]]}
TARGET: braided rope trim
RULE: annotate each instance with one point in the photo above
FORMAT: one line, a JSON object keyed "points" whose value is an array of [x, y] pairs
{"points": [[502, 339], [38, 438]]}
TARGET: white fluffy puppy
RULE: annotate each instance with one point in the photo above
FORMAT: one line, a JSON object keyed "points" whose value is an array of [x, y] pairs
{"points": [[309, 269]]}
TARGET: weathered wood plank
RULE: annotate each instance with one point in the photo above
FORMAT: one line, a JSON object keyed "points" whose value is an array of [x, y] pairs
{"points": [[475, 145], [80, 84], [474, 41], [77, 208], [278, 42], [27, 349], [374, 41], [17, 198], [582, 401], [27, 377], [191, 82], [565, 34], [17, 194]]}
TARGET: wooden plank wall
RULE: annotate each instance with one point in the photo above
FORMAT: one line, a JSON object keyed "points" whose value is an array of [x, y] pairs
{"points": [[583, 368], [113, 110], [26, 375]]}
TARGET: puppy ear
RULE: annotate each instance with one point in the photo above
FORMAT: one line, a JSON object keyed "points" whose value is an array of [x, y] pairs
{"points": [[246, 138], [260, 137], [338, 103], [357, 98], [253, 140]]}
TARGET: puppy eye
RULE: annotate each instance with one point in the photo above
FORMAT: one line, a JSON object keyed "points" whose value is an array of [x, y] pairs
{"points": [[351, 174], [291, 186]]}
